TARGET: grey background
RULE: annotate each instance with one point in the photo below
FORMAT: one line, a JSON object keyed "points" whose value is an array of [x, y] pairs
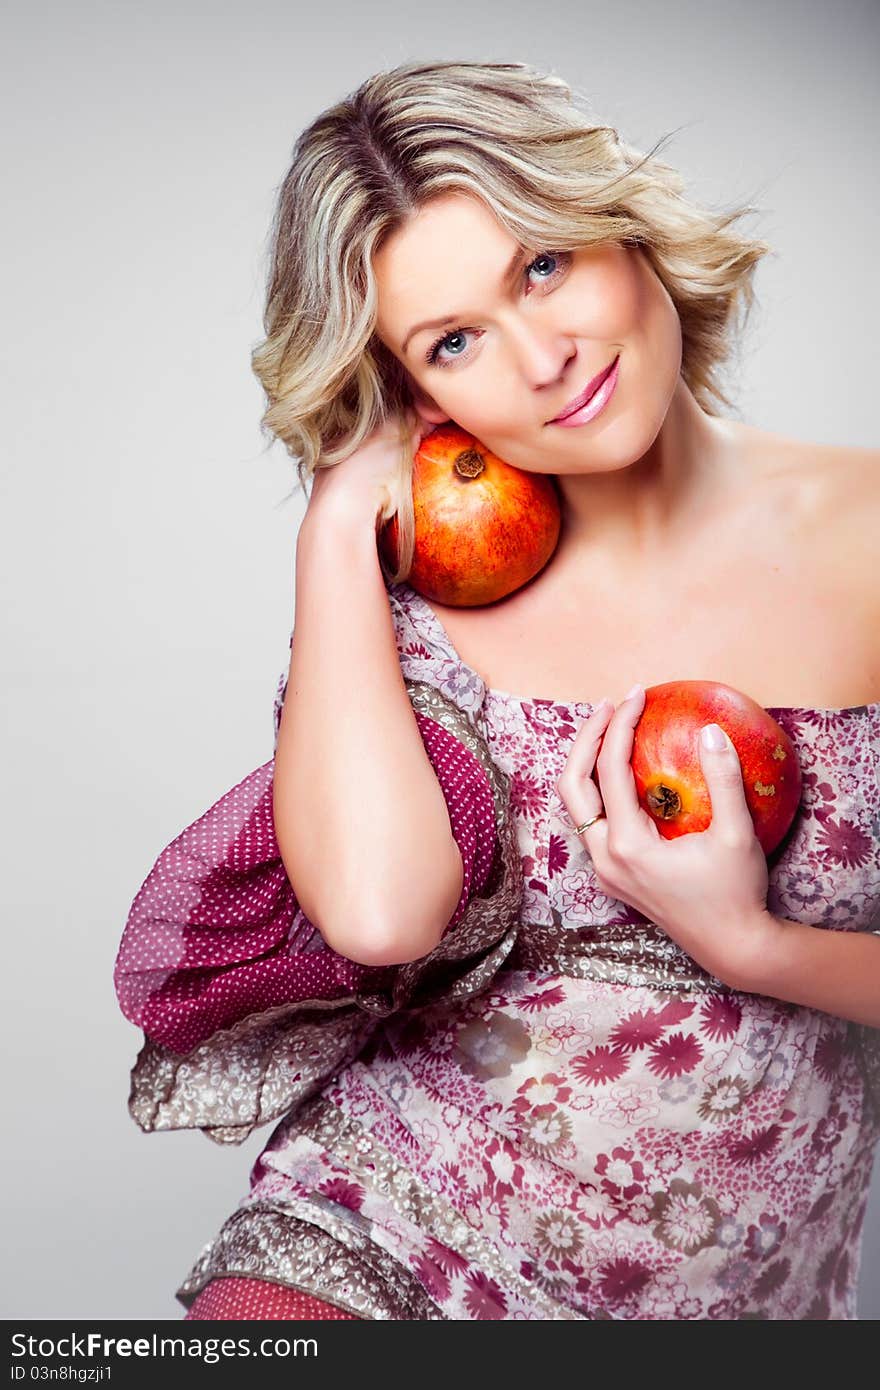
{"points": [[147, 544]]}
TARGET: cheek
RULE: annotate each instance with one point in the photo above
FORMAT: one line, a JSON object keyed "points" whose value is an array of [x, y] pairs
{"points": [[471, 396], [625, 301], [657, 316], [664, 337], [636, 304], [618, 305]]}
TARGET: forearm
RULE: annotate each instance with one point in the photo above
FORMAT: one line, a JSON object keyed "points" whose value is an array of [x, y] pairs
{"points": [[361, 818], [837, 972]]}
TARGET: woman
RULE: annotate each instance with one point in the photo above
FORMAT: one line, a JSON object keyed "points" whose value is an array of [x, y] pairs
{"points": [[532, 1060]]}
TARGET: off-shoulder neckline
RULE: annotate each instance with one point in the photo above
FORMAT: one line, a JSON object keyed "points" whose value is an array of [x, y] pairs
{"points": [[446, 641]]}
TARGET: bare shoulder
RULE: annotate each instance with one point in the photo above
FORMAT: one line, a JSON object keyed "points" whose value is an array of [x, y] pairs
{"points": [[832, 490], [845, 498], [839, 492], [850, 474], [823, 502], [824, 470]]}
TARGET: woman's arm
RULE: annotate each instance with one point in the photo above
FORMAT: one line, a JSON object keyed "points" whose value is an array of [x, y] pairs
{"points": [[835, 971], [360, 816]]}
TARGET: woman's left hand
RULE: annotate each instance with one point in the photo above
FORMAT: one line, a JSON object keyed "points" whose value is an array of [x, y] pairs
{"points": [[707, 890]]}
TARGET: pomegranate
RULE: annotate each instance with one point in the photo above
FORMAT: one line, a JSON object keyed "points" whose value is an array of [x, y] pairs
{"points": [[666, 759], [482, 527]]}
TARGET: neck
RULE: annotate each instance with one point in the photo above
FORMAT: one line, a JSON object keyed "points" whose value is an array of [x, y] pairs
{"points": [[625, 517]]}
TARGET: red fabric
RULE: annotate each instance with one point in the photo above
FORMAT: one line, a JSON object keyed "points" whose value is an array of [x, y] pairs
{"points": [[233, 1297], [216, 933]]}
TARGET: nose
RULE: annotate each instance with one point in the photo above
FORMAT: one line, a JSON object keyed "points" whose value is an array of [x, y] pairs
{"points": [[541, 352]]}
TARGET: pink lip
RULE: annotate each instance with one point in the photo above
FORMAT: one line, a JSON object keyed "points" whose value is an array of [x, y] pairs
{"points": [[589, 390]]}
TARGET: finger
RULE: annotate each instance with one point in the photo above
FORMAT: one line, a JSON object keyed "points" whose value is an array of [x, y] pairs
{"points": [[578, 792], [723, 774], [583, 752], [616, 779]]}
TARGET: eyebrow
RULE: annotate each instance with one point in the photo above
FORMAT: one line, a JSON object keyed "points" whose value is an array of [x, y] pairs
{"points": [[513, 265]]}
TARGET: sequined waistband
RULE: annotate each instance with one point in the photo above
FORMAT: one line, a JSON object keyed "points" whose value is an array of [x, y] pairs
{"points": [[624, 953]]}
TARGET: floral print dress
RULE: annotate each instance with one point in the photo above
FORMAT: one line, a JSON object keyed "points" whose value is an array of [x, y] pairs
{"points": [[604, 1131]]}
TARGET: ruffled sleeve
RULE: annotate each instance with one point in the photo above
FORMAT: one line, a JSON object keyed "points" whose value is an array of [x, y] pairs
{"points": [[245, 1010]]}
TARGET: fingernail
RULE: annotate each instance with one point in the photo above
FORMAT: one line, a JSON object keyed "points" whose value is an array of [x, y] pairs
{"points": [[636, 690], [602, 706], [713, 737]]}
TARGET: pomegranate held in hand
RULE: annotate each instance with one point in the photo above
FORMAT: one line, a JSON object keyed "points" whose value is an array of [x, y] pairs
{"points": [[666, 759], [482, 527]]}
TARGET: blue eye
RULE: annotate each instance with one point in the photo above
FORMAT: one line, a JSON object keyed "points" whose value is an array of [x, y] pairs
{"points": [[444, 342], [545, 256], [431, 356]]}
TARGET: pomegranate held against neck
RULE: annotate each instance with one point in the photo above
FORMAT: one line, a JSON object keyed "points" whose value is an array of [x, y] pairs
{"points": [[666, 759], [482, 527]]}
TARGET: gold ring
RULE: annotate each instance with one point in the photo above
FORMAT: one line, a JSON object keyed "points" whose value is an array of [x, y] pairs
{"points": [[579, 829]]}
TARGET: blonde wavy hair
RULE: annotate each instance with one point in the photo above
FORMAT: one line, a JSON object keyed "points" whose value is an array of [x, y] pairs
{"points": [[523, 142]]}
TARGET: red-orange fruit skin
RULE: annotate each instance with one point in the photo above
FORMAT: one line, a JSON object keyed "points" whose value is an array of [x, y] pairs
{"points": [[666, 759], [477, 538]]}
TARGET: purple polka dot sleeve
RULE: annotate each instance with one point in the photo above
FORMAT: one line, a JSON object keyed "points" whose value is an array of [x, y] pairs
{"points": [[470, 806], [216, 934]]}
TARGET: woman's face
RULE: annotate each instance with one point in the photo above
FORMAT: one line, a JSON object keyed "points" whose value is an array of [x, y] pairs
{"points": [[509, 356]]}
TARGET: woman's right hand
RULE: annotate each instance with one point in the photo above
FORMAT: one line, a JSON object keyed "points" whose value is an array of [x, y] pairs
{"points": [[371, 475]]}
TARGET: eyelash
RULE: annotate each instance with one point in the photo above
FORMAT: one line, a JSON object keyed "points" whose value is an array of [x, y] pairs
{"points": [[431, 355]]}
